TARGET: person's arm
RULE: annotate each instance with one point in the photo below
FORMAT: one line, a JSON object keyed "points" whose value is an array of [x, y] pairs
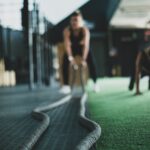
{"points": [[138, 72], [86, 43], [67, 44]]}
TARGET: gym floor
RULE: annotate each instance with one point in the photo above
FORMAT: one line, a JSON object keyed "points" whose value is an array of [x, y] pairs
{"points": [[123, 117], [17, 125]]}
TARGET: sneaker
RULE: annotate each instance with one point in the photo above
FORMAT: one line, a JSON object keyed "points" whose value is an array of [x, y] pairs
{"points": [[131, 85], [65, 89], [96, 88], [77, 92]]}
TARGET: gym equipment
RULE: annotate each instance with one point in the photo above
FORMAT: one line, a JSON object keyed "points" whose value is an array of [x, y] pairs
{"points": [[39, 114]]}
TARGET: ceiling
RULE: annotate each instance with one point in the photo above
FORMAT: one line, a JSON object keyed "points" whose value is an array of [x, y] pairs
{"points": [[131, 14]]}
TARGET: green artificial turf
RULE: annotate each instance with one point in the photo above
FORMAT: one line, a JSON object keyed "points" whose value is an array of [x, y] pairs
{"points": [[123, 117]]}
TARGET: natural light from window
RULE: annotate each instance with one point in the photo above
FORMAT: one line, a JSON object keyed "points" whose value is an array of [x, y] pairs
{"points": [[54, 10]]}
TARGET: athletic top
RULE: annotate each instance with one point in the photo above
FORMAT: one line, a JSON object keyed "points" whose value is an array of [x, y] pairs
{"points": [[76, 46], [144, 47], [142, 40]]}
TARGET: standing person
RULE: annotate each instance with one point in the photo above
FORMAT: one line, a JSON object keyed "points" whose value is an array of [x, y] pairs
{"points": [[77, 42], [143, 61], [133, 55]]}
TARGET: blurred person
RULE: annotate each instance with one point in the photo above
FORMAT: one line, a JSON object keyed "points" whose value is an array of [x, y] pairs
{"points": [[133, 68], [77, 42], [143, 61]]}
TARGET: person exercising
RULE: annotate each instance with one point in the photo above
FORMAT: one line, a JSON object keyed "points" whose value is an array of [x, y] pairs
{"points": [[76, 40], [143, 61]]}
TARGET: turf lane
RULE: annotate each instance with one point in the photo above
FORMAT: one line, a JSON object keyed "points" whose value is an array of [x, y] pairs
{"points": [[124, 118]]}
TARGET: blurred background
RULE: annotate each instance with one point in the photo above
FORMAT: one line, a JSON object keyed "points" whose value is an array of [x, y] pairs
{"points": [[31, 43]]}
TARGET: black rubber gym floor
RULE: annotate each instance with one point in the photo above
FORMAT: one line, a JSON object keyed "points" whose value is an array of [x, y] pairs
{"points": [[17, 124], [64, 132]]}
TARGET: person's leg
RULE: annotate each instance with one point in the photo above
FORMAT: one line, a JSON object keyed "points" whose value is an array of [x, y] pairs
{"points": [[132, 81], [65, 70], [92, 67], [149, 84], [138, 69], [137, 79], [92, 71]]}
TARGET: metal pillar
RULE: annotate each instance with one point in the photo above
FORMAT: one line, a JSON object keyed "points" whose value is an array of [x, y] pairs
{"points": [[46, 55], [38, 48], [29, 37], [31, 65]]}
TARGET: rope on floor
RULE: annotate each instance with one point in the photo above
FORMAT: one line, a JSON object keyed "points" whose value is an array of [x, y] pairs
{"points": [[92, 126], [39, 114]]}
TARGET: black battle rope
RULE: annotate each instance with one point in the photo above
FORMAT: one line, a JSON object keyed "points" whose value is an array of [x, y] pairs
{"points": [[93, 127], [39, 113]]}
